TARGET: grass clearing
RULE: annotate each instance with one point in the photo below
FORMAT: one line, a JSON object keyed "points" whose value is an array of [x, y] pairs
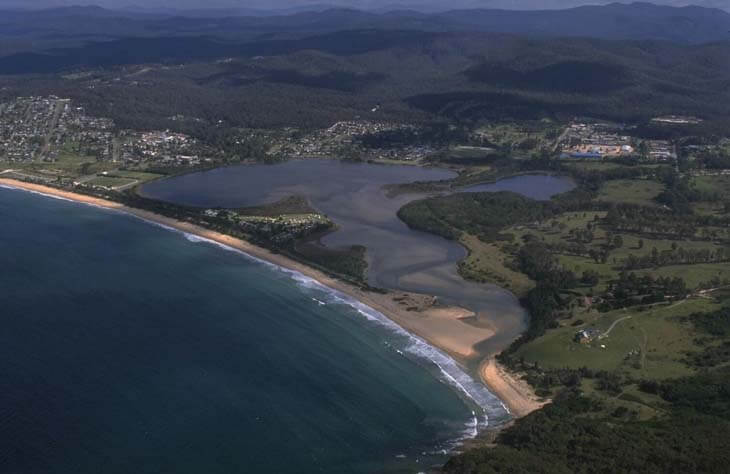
{"points": [[524, 136], [649, 344], [591, 165], [136, 175], [631, 191], [486, 263], [557, 231], [692, 274], [109, 181], [719, 184]]}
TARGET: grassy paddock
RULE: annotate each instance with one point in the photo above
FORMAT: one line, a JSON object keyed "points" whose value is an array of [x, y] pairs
{"points": [[486, 263], [648, 344], [631, 191]]}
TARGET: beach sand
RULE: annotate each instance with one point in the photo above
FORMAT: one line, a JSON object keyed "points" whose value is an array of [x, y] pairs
{"points": [[519, 397], [447, 328]]}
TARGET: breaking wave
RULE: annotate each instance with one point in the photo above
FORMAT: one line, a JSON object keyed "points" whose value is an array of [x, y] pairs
{"points": [[488, 409]]}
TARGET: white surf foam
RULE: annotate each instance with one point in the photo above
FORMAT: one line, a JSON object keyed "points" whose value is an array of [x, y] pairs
{"points": [[492, 409], [60, 198]]}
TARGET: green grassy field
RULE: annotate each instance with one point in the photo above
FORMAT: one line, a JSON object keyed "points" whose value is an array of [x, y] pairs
{"points": [[643, 344], [558, 230], [109, 181], [486, 264], [706, 208], [591, 165], [631, 191], [693, 274], [713, 184], [70, 164], [136, 175], [523, 137]]}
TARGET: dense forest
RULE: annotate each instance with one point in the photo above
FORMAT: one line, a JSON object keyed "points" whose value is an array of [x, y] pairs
{"points": [[573, 435], [393, 75]]}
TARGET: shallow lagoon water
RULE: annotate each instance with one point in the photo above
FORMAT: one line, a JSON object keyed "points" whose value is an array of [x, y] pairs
{"points": [[352, 195], [535, 186]]}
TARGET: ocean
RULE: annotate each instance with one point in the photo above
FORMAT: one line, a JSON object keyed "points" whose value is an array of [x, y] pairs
{"points": [[127, 347]]}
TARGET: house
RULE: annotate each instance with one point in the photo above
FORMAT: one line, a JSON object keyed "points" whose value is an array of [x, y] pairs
{"points": [[585, 336]]}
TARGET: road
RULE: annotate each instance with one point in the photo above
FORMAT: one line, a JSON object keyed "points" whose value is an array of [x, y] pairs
{"points": [[605, 334], [560, 138]]}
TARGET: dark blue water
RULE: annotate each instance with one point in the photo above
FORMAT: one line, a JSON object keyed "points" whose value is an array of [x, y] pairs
{"points": [[535, 186], [128, 348]]}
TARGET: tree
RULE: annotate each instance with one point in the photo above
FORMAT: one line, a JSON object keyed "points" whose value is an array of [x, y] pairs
{"points": [[618, 242], [590, 277]]}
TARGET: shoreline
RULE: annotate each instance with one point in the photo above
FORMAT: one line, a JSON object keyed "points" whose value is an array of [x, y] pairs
{"points": [[515, 392], [445, 328]]}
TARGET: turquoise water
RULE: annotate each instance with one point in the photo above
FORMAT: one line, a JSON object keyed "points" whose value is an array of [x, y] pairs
{"points": [[127, 347]]}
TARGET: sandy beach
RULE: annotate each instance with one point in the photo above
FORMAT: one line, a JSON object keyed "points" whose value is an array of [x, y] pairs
{"points": [[447, 328], [513, 391]]}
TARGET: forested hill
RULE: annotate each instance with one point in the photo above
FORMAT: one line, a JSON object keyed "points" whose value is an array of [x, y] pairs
{"points": [[614, 21], [413, 75]]}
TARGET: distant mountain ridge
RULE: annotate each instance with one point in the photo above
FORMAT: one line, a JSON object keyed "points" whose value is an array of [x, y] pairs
{"points": [[635, 21], [278, 7]]}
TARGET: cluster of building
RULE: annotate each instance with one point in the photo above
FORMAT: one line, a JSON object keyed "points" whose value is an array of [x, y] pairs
{"points": [[161, 147], [586, 336], [342, 139], [660, 150], [327, 142], [41, 129], [677, 120], [604, 141], [37, 128], [280, 229], [595, 140]]}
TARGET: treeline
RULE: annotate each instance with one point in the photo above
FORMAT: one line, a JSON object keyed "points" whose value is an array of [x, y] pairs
{"points": [[707, 392], [676, 256], [716, 325], [631, 289], [578, 434], [481, 214], [535, 260], [486, 214], [652, 221], [573, 435], [437, 134]]}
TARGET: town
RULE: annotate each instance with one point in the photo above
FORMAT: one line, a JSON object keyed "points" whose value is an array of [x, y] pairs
{"points": [[43, 129], [606, 140]]}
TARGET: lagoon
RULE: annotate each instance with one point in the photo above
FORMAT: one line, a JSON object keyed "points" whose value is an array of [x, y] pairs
{"points": [[352, 195]]}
